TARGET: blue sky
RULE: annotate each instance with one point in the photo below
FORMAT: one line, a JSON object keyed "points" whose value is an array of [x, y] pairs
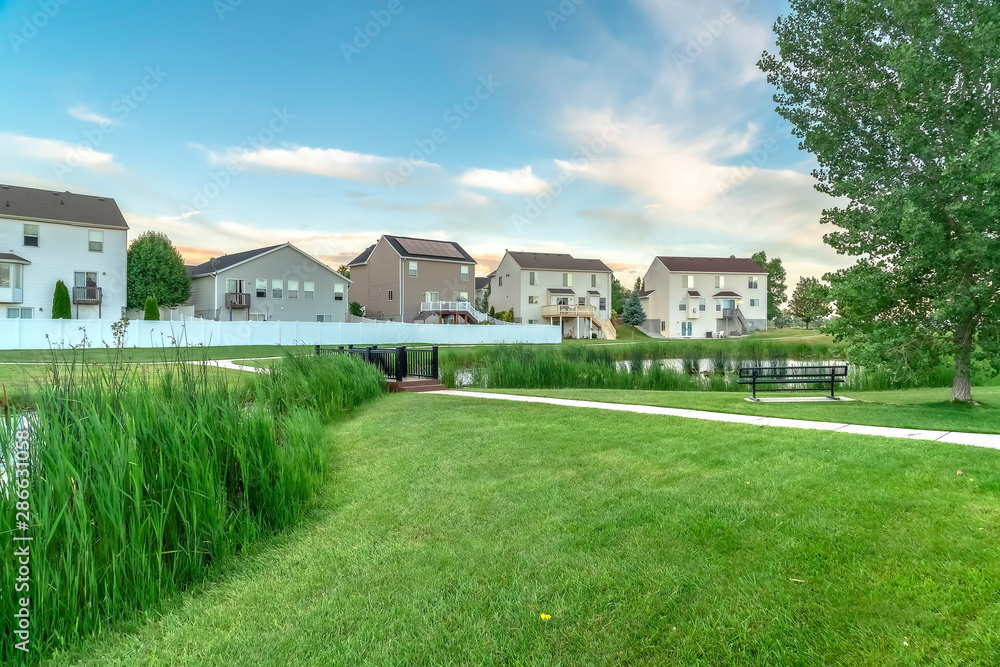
{"points": [[614, 129]]}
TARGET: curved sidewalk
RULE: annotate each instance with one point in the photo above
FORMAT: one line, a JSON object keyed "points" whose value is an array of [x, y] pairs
{"points": [[973, 439]]}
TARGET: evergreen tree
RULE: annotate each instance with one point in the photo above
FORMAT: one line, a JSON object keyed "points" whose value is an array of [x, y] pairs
{"points": [[633, 314], [62, 309], [152, 308]]}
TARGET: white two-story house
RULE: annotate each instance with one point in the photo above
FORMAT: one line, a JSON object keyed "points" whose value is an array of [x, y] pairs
{"points": [[704, 297], [49, 236], [555, 288]]}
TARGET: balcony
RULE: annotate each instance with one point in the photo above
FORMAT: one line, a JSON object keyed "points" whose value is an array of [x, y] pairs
{"points": [[237, 300], [11, 295], [569, 311], [87, 296]]}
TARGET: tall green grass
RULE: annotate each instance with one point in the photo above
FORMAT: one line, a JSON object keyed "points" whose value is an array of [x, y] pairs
{"points": [[144, 478]]}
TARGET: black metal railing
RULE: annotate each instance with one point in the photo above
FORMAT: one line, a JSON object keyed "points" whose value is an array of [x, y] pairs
{"points": [[396, 363], [87, 295], [237, 300], [779, 377]]}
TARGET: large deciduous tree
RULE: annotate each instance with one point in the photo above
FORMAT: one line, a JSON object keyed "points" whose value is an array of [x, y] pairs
{"points": [[899, 100], [777, 287], [810, 300], [155, 267]]}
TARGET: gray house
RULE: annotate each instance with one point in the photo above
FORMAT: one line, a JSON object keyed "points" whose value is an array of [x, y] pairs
{"points": [[280, 283]]}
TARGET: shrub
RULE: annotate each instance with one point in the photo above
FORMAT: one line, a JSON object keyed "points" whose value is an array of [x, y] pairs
{"points": [[152, 309], [62, 309]]}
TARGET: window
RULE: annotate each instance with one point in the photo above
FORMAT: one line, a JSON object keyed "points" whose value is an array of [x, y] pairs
{"points": [[720, 281], [293, 289], [465, 273], [233, 286], [390, 295], [277, 287], [6, 272], [562, 301], [324, 318], [338, 292], [532, 278], [682, 304], [532, 321], [413, 269], [20, 313], [309, 290], [500, 281], [701, 305], [663, 325], [581, 301], [261, 288], [31, 236], [462, 296], [752, 282], [532, 300], [96, 240], [603, 304], [687, 282], [593, 280], [754, 302], [567, 280], [85, 279], [431, 297], [718, 305]]}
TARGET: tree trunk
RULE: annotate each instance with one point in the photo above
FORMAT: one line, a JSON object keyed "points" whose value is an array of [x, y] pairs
{"points": [[961, 390]]}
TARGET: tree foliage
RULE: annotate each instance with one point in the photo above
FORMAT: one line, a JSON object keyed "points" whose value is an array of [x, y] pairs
{"points": [[155, 267], [344, 270], [62, 308], [633, 313], [152, 309], [898, 100], [618, 294], [777, 287], [810, 300], [483, 304], [356, 309]]}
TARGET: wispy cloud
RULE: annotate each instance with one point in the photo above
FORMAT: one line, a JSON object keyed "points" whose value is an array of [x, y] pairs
{"points": [[53, 150], [81, 112], [328, 162], [514, 181]]}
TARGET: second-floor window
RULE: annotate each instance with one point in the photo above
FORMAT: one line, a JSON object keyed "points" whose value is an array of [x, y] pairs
{"points": [[465, 273], [309, 290], [682, 304], [96, 241], [593, 280], [532, 300], [293, 289], [754, 302], [338, 292], [462, 296], [260, 288], [390, 295], [532, 278], [701, 305], [31, 236], [603, 304], [720, 282], [752, 282], [277, 287], [567, 280], [413, 269], [687, 282]]}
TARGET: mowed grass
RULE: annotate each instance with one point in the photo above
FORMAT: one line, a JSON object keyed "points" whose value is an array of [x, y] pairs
{"points": [[450, 525], [929, 409]]}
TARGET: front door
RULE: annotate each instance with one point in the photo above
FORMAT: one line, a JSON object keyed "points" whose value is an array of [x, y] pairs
{"points": [[687, 329], [729, 304]]}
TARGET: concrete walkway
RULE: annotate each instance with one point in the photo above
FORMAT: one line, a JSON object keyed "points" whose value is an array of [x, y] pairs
{"points": [[973, 439]]}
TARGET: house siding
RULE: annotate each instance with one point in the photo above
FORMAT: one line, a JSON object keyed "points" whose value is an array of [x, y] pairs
{"points": [[63, 250]]}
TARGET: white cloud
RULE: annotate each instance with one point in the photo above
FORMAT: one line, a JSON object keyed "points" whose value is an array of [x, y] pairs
{"points": [[514, 181], [55, 151], [81, 112], [329, 162]]}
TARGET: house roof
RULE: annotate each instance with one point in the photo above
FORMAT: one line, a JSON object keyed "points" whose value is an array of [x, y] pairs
{"points": [[711, 264], [644, 293], [561, 290], [692, 292], [412, 248], [593, 291], [65, 207], [363, 257], [557, 262], [11, 258], [726, 294], [481, 283], [217, 264]]}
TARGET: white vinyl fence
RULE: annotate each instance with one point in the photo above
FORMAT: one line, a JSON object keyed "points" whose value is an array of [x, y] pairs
{"points": [[29, 334]]}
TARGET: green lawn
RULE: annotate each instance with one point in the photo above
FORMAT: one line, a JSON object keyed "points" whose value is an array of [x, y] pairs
{"points": [[451, 525], [909, 408]]}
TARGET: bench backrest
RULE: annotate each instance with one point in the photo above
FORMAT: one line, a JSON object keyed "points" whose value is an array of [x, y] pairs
{"points": [[795, 372]]}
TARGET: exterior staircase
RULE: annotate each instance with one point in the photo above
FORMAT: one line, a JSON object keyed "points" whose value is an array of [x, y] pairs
{"points": [[456, 307], [415, 385], [741, 323], [589, 312]]}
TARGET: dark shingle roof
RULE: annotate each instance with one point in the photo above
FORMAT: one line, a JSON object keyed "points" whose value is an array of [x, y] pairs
{"points": [[725, 294], [428, 249], [481, 283], [219, 263], [561, 290], [556, 262], [66, 207], [711, 264], [12, 258], [363, 257], [644, 293]]}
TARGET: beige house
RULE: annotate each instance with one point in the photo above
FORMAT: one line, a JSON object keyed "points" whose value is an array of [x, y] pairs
{"points": [[402, 279], [704, 297], [554, 288]]}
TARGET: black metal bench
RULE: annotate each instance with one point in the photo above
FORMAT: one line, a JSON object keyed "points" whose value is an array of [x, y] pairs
{"points": [[788, 375]]}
